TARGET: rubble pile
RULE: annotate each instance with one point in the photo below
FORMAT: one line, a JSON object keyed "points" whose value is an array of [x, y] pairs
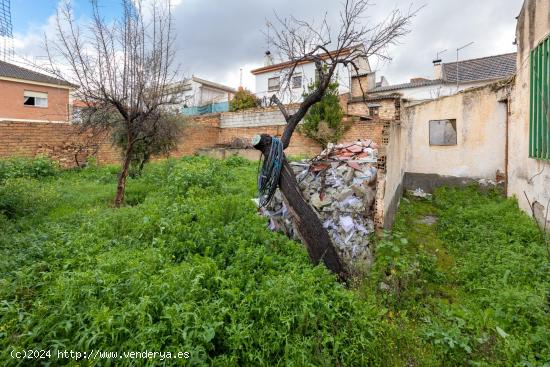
{"points": [[340, 184]]}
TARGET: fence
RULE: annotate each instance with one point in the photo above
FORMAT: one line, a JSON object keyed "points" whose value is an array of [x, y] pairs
{"points": [[209, 108]]}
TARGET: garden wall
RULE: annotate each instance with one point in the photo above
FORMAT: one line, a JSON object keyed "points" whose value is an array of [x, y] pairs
{"points": [[61, 142]]}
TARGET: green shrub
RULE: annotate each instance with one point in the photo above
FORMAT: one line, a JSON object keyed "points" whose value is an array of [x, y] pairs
{"points": [[243, 100], [29, 168], [192, 267], [323, 122]]}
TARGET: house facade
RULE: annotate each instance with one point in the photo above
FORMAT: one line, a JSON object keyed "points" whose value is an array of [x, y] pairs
{"points": [[29, 96], [202, 96], [272, 78], [497, 132]]}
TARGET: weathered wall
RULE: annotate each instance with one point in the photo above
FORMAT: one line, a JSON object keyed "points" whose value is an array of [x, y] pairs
{"points": [[480, 124], [253, 117], [394, 171], [60, 140], [386, 108], [13, 109], [198, 132], [56, 140], [527, 175]]}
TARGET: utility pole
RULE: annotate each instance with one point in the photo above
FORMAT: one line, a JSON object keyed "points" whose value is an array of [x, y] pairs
{"points": [[457, 50]]}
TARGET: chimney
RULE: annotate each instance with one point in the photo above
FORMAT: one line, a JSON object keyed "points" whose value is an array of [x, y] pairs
{"points": [[418, 80], [268, 59], [438, 69]]}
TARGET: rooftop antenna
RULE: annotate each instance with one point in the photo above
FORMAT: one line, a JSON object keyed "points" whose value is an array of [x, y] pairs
{"points": [[6, 31], [457, 50], [241, 78], [438, 56]]}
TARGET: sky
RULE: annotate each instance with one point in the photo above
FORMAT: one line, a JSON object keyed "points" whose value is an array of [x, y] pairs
{"points": [[215, 38]]}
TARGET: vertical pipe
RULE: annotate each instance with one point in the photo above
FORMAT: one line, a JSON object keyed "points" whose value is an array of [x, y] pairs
{"points": [[506, 146]]}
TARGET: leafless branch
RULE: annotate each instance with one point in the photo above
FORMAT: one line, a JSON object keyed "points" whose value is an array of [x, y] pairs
{"points": [[124, 69]]}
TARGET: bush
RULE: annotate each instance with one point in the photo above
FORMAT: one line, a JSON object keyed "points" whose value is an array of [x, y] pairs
{"points": [[323, 122], [243, 100], [28, 168]]}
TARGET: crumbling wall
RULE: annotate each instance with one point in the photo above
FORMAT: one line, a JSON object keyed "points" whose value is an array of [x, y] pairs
{"points": [[59, 141], [527, 176], [390, 186], [479, 151]]}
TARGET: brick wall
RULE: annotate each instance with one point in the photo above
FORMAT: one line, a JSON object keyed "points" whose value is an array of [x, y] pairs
{"points": [[386, 109], [12, 107], [198, 132], [59, 141]]}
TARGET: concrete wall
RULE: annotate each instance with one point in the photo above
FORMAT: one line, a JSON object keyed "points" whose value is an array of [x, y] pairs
{"points": [[253, 117], [527, 174], [13, 109], [481, 125], [395, 169]]}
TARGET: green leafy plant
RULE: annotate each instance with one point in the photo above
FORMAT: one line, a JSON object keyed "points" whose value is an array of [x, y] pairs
{"points": [[323, 122], [243, 100]]}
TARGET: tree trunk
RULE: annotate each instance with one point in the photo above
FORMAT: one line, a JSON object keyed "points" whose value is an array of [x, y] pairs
{"points": [[121, 187], [310, 229]]}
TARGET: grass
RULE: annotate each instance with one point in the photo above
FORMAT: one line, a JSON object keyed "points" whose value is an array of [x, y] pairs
{"points": [[188, 266]]}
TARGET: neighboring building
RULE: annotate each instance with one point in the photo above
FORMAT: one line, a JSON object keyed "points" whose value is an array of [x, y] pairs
{"points": [[528, 156], [469, 73], [269, 78], [30, 96], [201, 96]]}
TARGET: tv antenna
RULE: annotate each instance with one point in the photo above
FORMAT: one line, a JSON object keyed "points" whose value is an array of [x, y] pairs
{"points": [[6, 31], [457, 50]]}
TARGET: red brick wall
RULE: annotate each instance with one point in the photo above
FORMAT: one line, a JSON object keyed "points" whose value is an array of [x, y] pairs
{"points": [[61, 141], [198, 132], [12, 107], [56, 140]]}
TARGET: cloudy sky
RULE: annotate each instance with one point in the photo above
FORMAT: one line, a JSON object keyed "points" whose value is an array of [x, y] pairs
{"points": [[215, 38]]}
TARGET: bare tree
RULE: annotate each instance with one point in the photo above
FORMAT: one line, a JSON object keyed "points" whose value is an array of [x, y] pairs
{"points": [[300, 41], [124, 69]]}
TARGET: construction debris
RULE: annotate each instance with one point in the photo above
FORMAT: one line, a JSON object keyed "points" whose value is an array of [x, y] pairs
{"points": [[340, 184]]}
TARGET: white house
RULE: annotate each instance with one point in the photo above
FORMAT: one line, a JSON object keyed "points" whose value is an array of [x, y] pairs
{"points": [[450, 78], [269, 78], [201, 96]]}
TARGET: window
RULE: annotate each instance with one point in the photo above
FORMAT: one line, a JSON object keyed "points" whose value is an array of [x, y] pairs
{"points": [[442, 132], [36, 99], [273, 84], [539, 124], [373, 111], [297, 81]]}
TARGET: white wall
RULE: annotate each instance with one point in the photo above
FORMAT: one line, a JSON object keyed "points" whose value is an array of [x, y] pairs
{"points": [[480, 124], [200, 95], [527, 175], [294, 95]]}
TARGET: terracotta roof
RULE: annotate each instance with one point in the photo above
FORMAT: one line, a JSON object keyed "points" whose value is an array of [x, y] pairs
{"points": [[282, 65], [484, 68], [8, 70]]}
